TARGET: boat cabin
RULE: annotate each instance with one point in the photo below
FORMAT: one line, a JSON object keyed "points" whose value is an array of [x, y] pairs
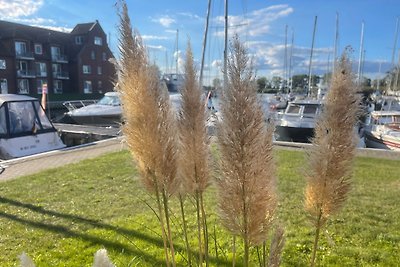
{"points": [[24, 127]]}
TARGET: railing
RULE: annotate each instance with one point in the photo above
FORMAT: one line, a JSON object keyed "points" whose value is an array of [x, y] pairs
{"points": [[61, 75], [41, 74], [75, 104], [60, 58], [26, 73], [24, 55]]}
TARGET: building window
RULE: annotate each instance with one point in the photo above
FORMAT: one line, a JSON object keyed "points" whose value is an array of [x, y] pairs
{"points": [[41, 69], [20, 48], [56, 68], [2, 64], [39, 85], [55, 52], [99, 86], [86, 69], [3, 85], [38, 49], [23, 86], [93, 55], [104, 56], [87, 87], [57, 85], [99, 70], [78, 40], [98, 40]]}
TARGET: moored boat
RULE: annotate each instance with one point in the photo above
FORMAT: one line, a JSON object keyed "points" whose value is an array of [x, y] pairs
{"points": [[383, 130], [106, 112], [24, 127], [297, 123]]}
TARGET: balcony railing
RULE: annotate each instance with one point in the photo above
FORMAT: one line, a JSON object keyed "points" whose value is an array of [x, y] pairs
{"points": [[24, 55], [41, 74], [26, 74], [61, 75], [59, 58]]}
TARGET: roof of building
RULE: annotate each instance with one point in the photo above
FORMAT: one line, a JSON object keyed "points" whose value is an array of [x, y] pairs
{"points": [[83, 28]]}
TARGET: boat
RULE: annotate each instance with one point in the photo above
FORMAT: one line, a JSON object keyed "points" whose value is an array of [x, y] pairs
{"points": [[106, 112], [24, 128], [173, 81], [297, 122], [383, 130]]}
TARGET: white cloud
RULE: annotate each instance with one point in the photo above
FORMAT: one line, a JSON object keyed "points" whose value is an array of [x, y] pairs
{"points": [[190, 15], [18, 8], [54, 28], [255, 23], [153, 37], [165, 21], [156, 47]]}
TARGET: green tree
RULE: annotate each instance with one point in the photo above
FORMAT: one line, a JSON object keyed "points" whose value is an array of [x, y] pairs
{"points": [[262, 84]]}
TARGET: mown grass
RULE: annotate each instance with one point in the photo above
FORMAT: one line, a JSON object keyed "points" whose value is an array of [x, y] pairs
{"points": [[60, 217]]}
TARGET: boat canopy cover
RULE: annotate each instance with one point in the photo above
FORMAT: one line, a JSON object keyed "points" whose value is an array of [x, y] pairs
{"points": [[14, 98]]}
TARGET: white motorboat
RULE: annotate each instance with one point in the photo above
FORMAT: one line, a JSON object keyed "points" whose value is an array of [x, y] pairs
{"points": [[297, 123], [383, 130], [106, 112], [24, 127]]}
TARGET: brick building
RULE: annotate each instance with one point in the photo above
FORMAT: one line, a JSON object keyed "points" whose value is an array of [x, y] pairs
{"points": [[74, 63]]}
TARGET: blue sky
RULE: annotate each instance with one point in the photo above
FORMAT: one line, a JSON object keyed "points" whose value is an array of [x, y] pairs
{"points": [[260, 24]]}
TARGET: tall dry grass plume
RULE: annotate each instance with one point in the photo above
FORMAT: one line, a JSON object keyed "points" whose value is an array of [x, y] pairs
{"points": [[247, 183], [149, 122], [193, 153], [331, 156]]}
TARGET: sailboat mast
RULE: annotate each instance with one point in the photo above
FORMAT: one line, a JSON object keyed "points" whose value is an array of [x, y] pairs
{"points": [[361, 54], [204, 45], [311, 54], [335, 45], [226, 45], [285, 65], [393, 51], [177, 50], [291, 64]]}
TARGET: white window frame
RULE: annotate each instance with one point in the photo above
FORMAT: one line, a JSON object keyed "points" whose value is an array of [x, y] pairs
{"points": [[39, 85], [3, 86], [98, 40], [38, 49], [79, 40], [87, 87], [86, 69], [57, 87], [24, 82], [20, 48], [41, 69], [3, 64]]}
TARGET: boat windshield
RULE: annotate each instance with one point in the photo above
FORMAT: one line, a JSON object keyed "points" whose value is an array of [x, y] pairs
{"points": [[293, 109], [310, 110], [110, 101], [3, 123], [385, 119]]}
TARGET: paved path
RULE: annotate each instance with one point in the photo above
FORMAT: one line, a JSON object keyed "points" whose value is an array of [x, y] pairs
{"points": [[36, 163]]}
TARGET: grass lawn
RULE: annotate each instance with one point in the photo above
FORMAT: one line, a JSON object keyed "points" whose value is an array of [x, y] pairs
{"points": [[62, 216]]}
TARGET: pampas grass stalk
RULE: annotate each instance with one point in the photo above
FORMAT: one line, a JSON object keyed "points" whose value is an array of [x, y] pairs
{"points": [[194, 168], [247, 194], [148, 123], [331, 156]]}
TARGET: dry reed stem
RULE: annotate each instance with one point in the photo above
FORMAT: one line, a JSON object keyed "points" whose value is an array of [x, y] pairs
{"points": [[247, 194], [149, 121], [193, 152], [331, 156], [333, 150]]}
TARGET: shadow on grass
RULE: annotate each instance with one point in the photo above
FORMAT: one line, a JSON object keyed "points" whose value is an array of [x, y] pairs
{"points": [[110, 245]]}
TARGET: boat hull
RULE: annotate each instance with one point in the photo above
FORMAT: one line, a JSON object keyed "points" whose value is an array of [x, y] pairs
{"points": [[16, 147], [294, 134], [375, 141], [98, 120]]}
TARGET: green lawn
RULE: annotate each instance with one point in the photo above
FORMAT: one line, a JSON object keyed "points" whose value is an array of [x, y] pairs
{"points": [[60, 217]]}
